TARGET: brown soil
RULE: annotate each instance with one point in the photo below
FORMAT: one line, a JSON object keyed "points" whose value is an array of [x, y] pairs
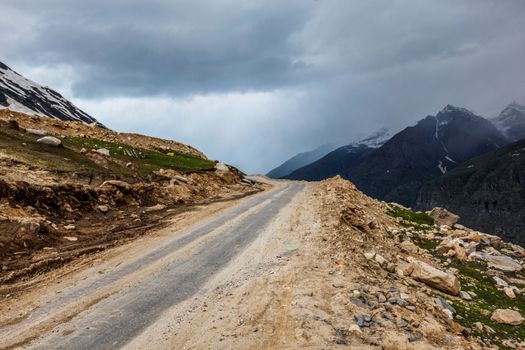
{"points": [[58, 204]]}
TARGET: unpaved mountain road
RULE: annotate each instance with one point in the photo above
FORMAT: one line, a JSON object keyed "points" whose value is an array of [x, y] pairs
{"points": [[116, 302]]}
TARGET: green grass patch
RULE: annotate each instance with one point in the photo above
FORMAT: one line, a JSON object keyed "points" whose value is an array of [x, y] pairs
{"points": [[149, 162], [56, 159], [410, 216], [425, 243]]}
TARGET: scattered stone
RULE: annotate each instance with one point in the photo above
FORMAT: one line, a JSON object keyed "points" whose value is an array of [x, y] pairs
{"points": [[103, 208], [409, 246], [380, 260], [181, 179], [364, 320], [404, 269], [465, 296], [507, 316], [155, 208], [501, 283], [381, 297], [446, 307], [435, 278], [370, 255], [103, 151], [509, 292], [221, 167], [49, 140], [442, 216], [37, 132], [70, 227], [452, 248], [71, 239]]}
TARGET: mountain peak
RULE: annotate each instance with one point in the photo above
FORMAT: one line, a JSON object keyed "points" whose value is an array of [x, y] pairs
{"points": [[453, 109], [20, 94], [377, 139], [514, 106], [511, 122]]}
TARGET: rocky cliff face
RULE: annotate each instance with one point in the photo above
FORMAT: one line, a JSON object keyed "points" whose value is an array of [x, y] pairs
{"points": [[487, 192]]}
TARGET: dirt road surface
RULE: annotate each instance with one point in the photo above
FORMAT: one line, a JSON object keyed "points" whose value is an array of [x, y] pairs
{"points": [[116, 301]]}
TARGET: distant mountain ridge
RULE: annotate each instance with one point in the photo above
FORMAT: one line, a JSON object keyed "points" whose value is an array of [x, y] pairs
{"points": [[511, 122], [20, 94], [300, 160], [418, 154], [337, 161]]}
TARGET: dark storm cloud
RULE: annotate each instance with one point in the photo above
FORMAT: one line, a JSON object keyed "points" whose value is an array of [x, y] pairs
{"points": [[165, 47], [253, 82]]}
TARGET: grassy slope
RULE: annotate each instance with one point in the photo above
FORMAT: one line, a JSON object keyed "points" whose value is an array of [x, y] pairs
{"points": [[24, 148]]}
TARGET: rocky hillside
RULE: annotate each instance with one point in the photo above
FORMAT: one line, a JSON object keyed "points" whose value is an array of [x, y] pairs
{"points": [[340, 160], [67, 189], [487, 192], [20, 94], [418, 154], [411, 280], [511, 122]]}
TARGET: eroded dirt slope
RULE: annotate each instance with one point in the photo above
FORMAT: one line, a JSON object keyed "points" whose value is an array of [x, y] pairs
{"points": [[96, 189]]}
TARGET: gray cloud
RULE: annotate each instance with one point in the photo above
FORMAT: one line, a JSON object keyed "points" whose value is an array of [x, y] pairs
{"points": [[253, 82]]}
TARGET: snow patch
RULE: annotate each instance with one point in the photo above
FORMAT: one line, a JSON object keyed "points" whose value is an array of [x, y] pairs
{"points": [[450, 159], [441, 167]]}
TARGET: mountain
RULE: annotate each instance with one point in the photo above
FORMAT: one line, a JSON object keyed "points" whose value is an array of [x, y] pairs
{"points": [[300, 160], [338, 161], [418, 154], [487, 192], [511, 122], [25, 96]]}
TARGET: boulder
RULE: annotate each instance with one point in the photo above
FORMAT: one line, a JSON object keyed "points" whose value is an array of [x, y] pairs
{"points": [[221, 167], [37, 132], [404, 269], [122, 185], [499, 262], [442, 216], [452, 248], [435, 278], [49, 140], [409, 246], [507, 316], [103, 208], [103, 151], [509, 292], [465, 296], [155, 208]]}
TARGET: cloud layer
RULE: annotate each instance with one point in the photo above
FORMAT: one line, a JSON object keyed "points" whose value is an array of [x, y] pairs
{"points": [[253, 82]]}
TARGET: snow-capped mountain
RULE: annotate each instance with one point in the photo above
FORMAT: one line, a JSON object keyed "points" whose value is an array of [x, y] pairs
{"points": [[20, 94], [341, 159], [375, 140], [511, 122], [418, 154]]}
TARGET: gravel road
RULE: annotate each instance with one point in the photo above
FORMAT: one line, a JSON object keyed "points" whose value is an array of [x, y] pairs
{"points": [[150, 283]]}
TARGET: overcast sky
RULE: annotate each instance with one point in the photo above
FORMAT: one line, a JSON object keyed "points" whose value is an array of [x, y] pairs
{"points": [[253, 82]]}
